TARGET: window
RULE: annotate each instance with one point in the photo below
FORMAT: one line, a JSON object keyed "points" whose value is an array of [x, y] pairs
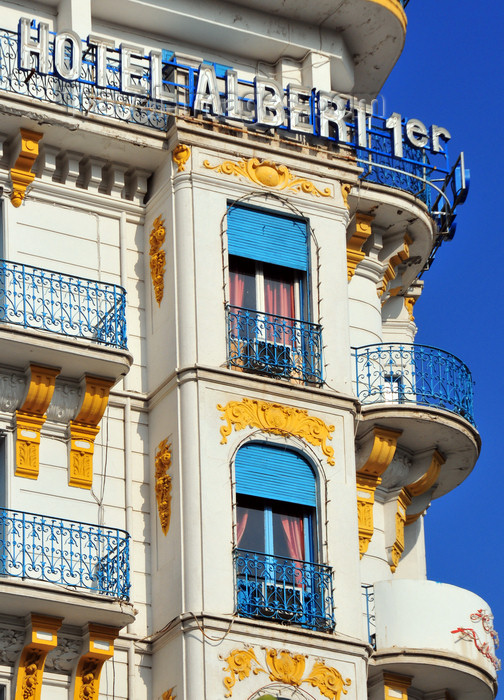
{"points": [[276, 536], [268, 313]]}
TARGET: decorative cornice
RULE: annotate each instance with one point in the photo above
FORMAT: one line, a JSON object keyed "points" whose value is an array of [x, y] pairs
{"points": [[266, 173], [163, 485], [276, 419], [84, 429], [31, 417], [99, 643], [43, 638], [181, 155], [284, 667], [21, 174], [157, 257], [369, 477], [361, 226]]}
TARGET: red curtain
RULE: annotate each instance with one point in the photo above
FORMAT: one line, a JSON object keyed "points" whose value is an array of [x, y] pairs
{"points": [[241, 525], [279, 298], [294, 534], [236, 288]]}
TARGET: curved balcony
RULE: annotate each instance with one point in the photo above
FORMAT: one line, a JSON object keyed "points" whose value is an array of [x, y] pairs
{"points": [[284, 590], [50, 301], [440, 635], [275, 346], [76, 555], [390, 373], [73, 323]]}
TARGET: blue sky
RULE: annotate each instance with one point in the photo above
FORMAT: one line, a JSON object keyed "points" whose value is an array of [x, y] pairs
{"points": [[451, 74]]}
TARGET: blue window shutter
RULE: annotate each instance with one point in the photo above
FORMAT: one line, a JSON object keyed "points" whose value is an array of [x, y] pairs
{"points": [[276, 473], [267, 237]]}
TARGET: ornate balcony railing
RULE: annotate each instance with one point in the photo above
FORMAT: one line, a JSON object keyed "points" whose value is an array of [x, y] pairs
{"points": [[279, 347], [64, 552], [369, 611], [284, 590], [44, 300], [415, 374]]}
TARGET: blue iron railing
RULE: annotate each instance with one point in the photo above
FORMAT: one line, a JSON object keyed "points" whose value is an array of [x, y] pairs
{"points": [[44, 300], [369, 609], [284, 590], [279, 347], [408, 373], [64, 552]]}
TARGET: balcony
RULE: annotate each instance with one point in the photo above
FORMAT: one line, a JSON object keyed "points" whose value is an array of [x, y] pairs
{"points": [[284, 590], [80, 308], [275, 346], [413, 374], [440, 635], [76, 555], [62, 316]]}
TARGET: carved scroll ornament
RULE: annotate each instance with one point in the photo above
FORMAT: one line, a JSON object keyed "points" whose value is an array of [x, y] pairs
{"points": [[266, 173], [276, 419], [284, 667]]}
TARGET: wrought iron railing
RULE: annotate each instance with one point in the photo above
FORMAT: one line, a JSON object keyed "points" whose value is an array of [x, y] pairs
{"points": [[64, 552], [44, 300], [419, 374], [284, 590], [279, 347], [369, 611]]}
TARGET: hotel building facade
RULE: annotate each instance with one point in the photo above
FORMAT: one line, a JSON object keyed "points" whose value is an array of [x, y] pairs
{"points": [[219, 439]]}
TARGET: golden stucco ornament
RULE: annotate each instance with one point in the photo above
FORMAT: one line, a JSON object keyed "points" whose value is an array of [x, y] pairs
{"points": [[276, 419], [163, 485], [180, 155], [284, 667], [266, 173], [157, 257]]}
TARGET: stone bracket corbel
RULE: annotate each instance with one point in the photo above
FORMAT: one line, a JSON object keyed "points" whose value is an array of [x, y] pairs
{"points": [[21, 172], [423, 485], [376, 453], [396, 549], [41, 638], [394, 262], [358, 233], [31, 417], [99, 647], [84, 429]]}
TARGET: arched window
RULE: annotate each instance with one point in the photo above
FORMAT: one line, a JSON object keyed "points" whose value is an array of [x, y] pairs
{"points": [[269, 329], [278, 576]]}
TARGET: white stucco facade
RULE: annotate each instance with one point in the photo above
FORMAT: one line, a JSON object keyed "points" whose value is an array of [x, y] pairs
{"points": [[126, 421]]}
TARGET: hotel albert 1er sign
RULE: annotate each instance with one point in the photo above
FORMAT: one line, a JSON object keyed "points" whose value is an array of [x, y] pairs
{"points": [[213, 89]]}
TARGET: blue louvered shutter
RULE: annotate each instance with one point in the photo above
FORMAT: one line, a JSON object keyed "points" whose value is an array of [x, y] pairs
{"points": [[268, 237], [275, 473]]}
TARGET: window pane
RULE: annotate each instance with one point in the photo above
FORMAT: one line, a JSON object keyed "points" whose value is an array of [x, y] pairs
{"points": [[242, 283], [250, 528]]}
